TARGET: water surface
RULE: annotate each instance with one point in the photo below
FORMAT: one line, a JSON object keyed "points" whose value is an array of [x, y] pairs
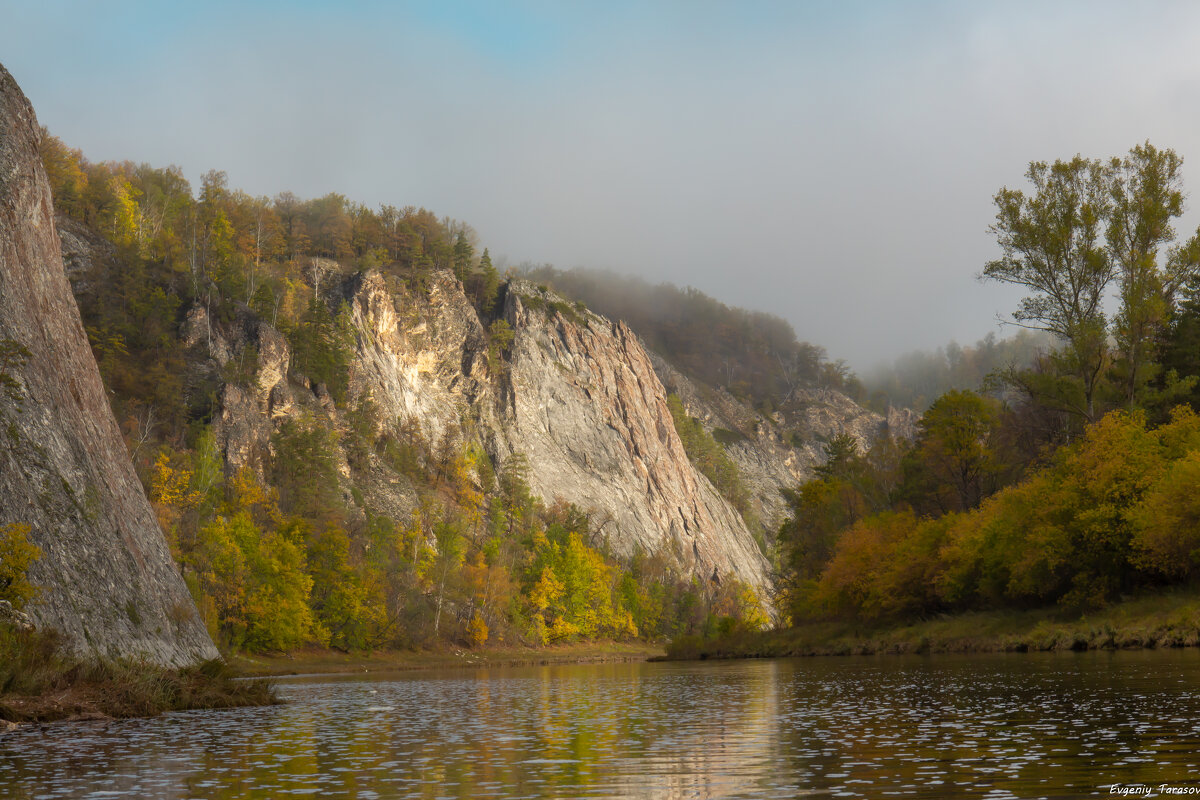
{"points": [[1050, 725]]}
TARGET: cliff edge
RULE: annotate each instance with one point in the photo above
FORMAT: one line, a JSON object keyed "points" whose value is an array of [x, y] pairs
{"points": [[106, 575]]}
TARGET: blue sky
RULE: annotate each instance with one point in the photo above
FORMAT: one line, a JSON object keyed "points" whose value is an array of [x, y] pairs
{"points": [[830, 162]]}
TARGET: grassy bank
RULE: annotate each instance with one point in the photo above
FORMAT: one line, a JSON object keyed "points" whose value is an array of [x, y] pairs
{"points": [[41, 681], [319, 660], [1166, 619]]}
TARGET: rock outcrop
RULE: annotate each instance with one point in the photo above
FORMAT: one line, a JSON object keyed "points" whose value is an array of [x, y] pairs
{"points": [[587, 410], [575, 395], [421, 357], [107, 577]]}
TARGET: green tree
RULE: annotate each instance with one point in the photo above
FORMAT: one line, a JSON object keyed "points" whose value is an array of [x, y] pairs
{"points": [[339, 599], [305, 470], [1051, 241], [323, 347], [489, 286], [1146, 188], [954, 463], [464, 255], [444, 562], [841, 458]]}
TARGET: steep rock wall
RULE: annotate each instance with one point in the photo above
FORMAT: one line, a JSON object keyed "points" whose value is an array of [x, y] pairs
{"points": [[576, 395], [587, 410], [421, 357], [107, 577]]}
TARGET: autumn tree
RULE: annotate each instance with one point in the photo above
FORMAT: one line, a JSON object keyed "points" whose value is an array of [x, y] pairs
{"points": [[65, 171], [17, 553]]}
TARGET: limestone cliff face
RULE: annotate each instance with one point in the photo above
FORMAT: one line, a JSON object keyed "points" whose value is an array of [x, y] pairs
{"points": [[575, 395], [587, 410], [422, 357], [107, 576]]}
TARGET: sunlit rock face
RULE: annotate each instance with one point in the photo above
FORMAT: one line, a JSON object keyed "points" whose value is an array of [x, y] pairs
{"points": [[575, 396], [107, 578], [587, 410], [421, 356]]}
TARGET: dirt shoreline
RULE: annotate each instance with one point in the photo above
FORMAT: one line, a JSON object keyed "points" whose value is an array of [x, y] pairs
{"points": [[92, 703]]}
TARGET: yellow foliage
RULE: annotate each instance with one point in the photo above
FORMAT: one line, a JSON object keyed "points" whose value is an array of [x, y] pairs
{"points": [[1167, 522], [170, 496], [547, 591], [477, 630], [248, 494], [125, 213], [750, 609], [17, 553], [169, 485]]}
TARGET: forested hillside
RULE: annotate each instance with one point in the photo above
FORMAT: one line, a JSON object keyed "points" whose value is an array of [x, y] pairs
{"points": [[916, 379], [753, 355], [1076, 483], [181, 294]]}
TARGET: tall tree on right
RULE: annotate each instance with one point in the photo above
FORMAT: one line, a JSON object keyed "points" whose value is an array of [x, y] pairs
{"points": [[1146, 188], [1052, 243], [1083, 226]]}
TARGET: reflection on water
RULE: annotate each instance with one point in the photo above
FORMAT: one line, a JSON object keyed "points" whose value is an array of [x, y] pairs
{"points": [[941, 726]]}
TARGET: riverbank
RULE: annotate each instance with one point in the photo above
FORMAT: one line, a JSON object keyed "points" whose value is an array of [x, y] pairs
{"points": [[1166, 619], [41, 681], [319, 660]]}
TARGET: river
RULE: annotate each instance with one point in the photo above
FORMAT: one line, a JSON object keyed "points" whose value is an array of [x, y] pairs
{"points": [[1019, 725]]}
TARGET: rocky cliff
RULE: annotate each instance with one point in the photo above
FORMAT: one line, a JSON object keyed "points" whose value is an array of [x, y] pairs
{"points": [[587, 410], [575, 396], [107, 578]]}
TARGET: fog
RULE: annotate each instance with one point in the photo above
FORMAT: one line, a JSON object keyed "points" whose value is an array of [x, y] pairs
{"points": [[832, 163]]}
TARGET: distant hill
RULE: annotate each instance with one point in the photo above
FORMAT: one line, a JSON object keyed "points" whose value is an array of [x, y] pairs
{"points": [[753, 355], [916, 379]]}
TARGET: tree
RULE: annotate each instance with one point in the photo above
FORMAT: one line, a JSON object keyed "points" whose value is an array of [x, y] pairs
{"points": [[489, 285], [1146, 190], [17, 552], [954, 464], [1051, 243], [464, 254], [1180, 348], [65, 171], [445, 561], [841, 455]]}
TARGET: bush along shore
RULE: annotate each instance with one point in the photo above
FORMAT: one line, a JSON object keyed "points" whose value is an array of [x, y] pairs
{"points": [[41, 680], [1159, 620]]}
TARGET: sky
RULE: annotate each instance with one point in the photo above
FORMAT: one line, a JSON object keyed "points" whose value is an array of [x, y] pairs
{"points": [[830, 162]]}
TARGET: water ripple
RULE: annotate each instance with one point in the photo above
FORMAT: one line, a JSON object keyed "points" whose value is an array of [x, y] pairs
{"points": [[988, 726]]}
